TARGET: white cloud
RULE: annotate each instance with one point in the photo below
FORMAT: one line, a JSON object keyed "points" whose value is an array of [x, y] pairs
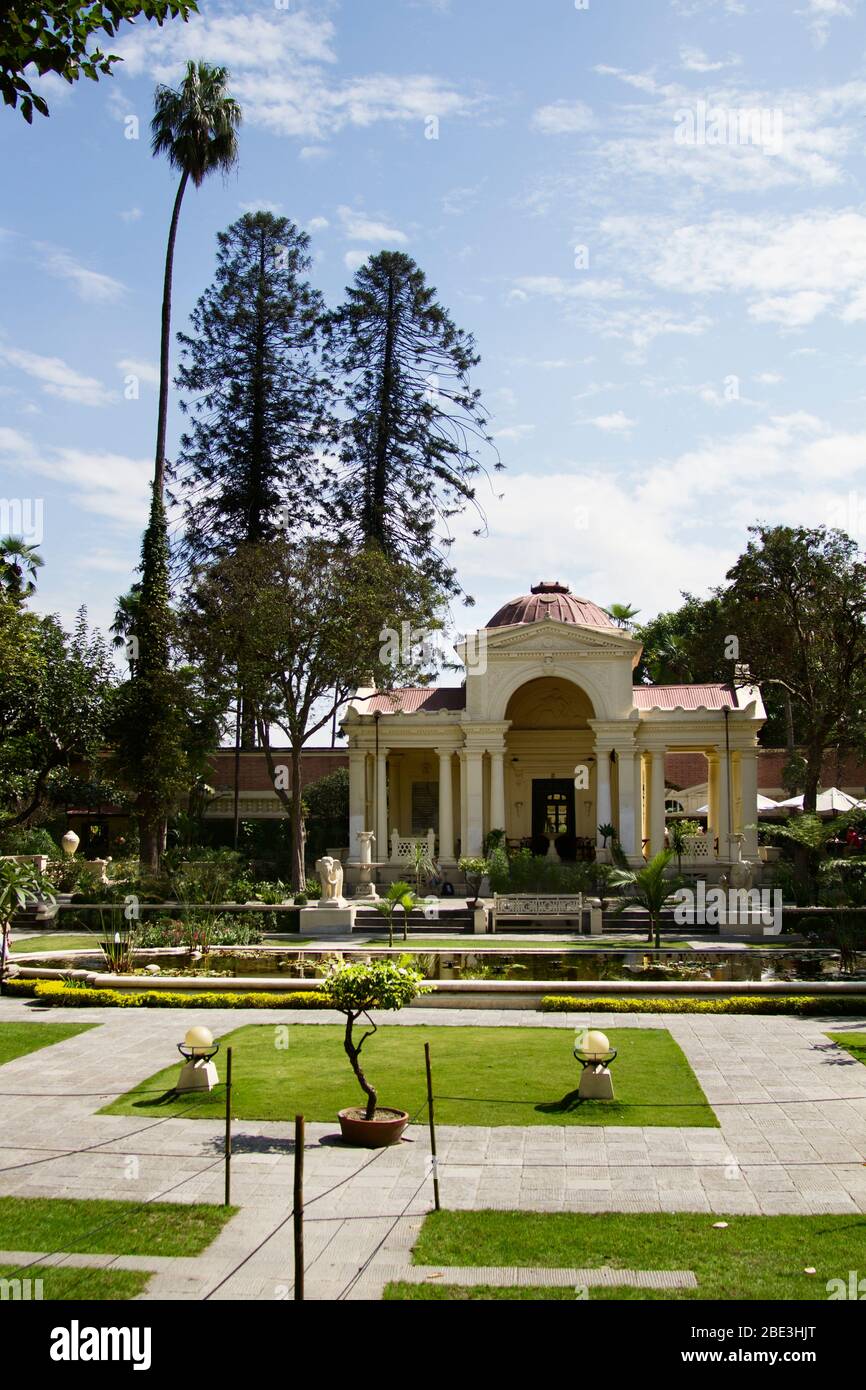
{"points": [[261, 205], [110, 486], [790, 310], [147, 372], [563, 118], [90, 285], [513, 433], [130, 215], [616, 423], [696, 60], [281, 74], [358, 227], [57, 377], [317, 224], [353, 260]]}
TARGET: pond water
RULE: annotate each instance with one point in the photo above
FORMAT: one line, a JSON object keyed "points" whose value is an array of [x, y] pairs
{"points": [[636, 963]]}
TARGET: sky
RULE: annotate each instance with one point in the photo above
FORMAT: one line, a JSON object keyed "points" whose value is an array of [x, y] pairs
{"points": [[668, 295]]}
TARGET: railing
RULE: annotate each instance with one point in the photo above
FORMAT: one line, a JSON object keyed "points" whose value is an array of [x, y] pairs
{"points": [[700, 848], [403, 846]]}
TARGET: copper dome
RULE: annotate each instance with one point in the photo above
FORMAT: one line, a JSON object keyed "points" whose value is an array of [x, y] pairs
{"points": [[550, 599]]}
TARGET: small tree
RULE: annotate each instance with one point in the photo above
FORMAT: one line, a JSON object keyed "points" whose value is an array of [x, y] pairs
{"points": [[649, 888], [353, 990], [19, 885], [388, 905], [473, 871]]}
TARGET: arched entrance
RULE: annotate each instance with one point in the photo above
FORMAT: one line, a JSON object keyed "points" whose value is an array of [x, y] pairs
{"points": [[548, 736]]}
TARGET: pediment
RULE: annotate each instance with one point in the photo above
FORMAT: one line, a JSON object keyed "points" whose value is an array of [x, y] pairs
{"points": [[567, 640]]}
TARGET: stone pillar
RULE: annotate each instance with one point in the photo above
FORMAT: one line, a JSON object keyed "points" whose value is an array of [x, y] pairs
{"points": [[628, 812], [657, 802], [749, 801], [473, 798], [723, 804], [446, 807], [357, 797], [382, 840], [497, 789], [638, 804], [602, 792], [712, 795]]}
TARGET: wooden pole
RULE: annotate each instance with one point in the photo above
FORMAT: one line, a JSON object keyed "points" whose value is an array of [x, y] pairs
{"points": [[432, 1127], [228, 1144], [299, 1207]]}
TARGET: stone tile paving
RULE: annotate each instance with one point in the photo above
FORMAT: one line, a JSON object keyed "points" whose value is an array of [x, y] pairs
{"points": [[791, 1106]]}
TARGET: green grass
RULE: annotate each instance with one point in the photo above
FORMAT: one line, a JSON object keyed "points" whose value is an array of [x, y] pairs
{"points": [[459, 1293], [506, 947], [55, 941], [481, 1076], [63, 1282], [756, 1257], [104, 1227], [17, 1039], [855, 1043]]}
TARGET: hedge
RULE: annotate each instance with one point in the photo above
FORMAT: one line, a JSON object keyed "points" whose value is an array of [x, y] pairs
{"points": [[72, 997], [734, 1004]]}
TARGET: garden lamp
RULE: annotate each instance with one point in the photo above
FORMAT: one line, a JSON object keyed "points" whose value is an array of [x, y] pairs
{"points": [[198, 1072], [594, 1052]]}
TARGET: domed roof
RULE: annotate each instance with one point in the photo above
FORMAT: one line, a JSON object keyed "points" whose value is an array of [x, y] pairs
{"points": [[550, 599]]}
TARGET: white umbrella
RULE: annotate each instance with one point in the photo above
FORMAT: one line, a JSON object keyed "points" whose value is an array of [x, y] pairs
{"points": [[831, 802]]}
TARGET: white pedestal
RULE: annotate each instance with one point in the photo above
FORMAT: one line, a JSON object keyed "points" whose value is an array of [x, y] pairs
{"points": [[596, 1084], [328, 921], [197, 1076], [479, 920]]}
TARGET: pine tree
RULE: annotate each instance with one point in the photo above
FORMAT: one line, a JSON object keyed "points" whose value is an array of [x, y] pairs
{"points": [[252, 391], [411, 425]]}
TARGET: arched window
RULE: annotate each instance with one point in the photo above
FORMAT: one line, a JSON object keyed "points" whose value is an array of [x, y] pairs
{"points": [[672, 805]]}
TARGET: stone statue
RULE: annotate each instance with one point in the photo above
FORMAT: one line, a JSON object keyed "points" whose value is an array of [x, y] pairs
{"points": [[330, 872]]}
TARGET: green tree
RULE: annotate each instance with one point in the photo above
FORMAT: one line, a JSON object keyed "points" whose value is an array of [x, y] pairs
{"points": [[396, 896], [650, 888], [18, 565], [252, 391], [303, 619], [622, 614], [356, 989], [412, 425], [55, 37]]}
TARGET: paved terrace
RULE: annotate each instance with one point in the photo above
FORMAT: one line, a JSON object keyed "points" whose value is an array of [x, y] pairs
{"points": [[792, 1109]]}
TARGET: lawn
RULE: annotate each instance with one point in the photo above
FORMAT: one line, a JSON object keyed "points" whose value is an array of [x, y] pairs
{"points": [[755, 1257], [55, 941], [65, 1282], [508, 946], [17, 1039], [855, 1043], [104, 1227], [481, 1076]]}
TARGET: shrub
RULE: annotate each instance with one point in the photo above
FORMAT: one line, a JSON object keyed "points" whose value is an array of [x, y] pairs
{"points": [[802, 1004], [33, 841], [71, 995]]}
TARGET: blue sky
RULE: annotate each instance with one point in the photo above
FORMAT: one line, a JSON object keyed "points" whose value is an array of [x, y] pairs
{"points": [[671, 316]]}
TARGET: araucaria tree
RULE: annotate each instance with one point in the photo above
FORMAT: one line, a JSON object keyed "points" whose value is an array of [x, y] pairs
{"points": [[412, 427], [251, 388]]}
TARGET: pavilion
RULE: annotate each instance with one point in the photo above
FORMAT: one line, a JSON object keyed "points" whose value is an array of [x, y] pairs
{"points": [[549, 738]]}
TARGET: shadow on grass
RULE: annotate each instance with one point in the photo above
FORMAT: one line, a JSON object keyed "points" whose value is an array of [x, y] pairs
{"points": [[571, 1101]]}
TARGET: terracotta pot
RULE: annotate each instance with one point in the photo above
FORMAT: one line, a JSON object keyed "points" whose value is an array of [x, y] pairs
{"points": [[386, 1128]]}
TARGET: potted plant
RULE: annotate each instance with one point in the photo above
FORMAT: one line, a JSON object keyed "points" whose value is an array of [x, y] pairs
{"points": [[353, 990], [474, 871], [20, 884]]}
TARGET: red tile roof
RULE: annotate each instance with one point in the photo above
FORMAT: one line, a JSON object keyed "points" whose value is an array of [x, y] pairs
{"points": [[673, 697], [551, 600], [415, 699]]}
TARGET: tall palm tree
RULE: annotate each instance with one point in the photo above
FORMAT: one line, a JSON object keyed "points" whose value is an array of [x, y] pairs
{"points": [[195, 126], [18, 565]]}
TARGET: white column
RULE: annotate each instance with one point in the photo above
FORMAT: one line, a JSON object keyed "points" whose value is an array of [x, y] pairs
{"points": [[657, 802], [357, 798], [627, 826], [712, 795], [383, 844], [446, 807], [602, 792], [473, 797], [723, 801], [497, 790], [749, 801]]}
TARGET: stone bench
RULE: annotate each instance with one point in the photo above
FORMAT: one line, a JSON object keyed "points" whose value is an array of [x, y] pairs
{"points": [[541, 907]]}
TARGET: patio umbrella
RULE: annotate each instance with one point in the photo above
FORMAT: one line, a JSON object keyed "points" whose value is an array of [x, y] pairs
{"points": [[832, 802]]}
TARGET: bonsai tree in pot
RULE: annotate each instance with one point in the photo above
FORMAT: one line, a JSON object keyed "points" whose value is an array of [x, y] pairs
{"points": [[353, 990], [474, 871]]}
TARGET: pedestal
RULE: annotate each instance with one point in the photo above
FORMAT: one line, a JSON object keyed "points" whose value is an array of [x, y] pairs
{"points": [[596, 1084], [197, 1075], [328, 921]]}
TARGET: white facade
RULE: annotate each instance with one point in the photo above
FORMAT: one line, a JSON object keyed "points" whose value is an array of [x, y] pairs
{"points": [[548, 702]]}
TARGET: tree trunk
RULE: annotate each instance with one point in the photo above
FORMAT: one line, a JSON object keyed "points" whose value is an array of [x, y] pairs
{"points": [[298, 869], [165, 344], [150, 840], [354, 1055], [811, 781]]}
